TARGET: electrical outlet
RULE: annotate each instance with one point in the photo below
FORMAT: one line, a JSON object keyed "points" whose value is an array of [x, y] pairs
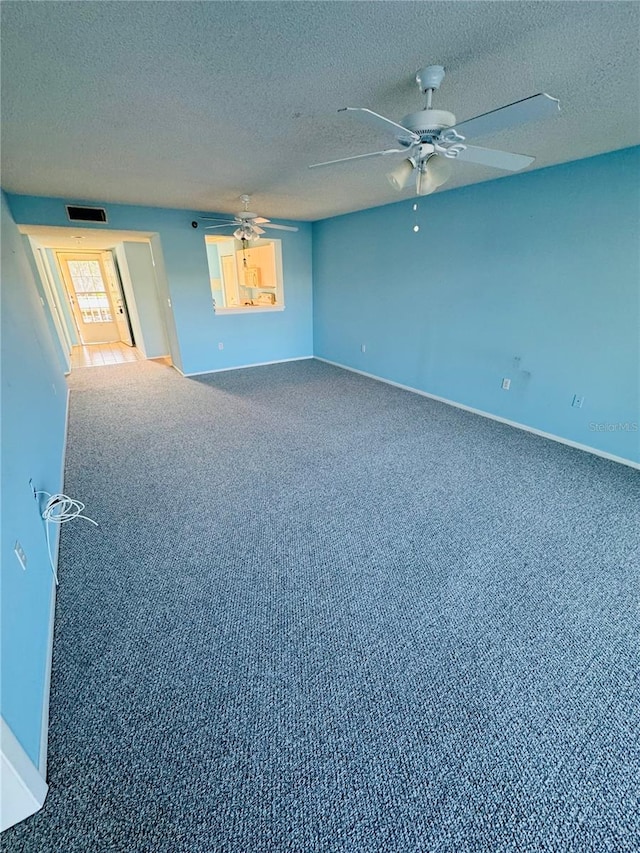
{"points": [[363, 347], [220, 345], [506, 384], [577, 401], [22, 557]]}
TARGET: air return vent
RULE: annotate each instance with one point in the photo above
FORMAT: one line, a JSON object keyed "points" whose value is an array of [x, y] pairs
{"points": [[86, 214]]}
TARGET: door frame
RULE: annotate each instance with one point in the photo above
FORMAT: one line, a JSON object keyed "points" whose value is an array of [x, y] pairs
{"points": [[53, 299], [113, 273]]}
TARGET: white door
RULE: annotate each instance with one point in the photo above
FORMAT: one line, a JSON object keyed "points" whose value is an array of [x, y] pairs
{"points": [[117, 300], [230, 281], [88, 291]]}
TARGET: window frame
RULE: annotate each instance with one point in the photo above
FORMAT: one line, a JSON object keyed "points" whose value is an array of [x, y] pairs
{"points": [[256, 307]]}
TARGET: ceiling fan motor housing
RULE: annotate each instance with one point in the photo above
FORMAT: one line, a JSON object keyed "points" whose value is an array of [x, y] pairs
{"points": [[428, 124], [430, 77]]}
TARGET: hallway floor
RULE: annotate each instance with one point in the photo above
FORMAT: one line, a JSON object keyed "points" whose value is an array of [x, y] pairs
{"points": [[97, 355]]}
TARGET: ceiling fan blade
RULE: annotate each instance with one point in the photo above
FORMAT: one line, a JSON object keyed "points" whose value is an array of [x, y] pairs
{"points": [[256, 229], [402, 134], [529, 109], [280, 227], [260, 220], [360, 157], [216, 219], [222, 225], [496, 159]]}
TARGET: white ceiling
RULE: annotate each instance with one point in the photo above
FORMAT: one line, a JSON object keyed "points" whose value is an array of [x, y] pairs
{"points": [[190, 104]]}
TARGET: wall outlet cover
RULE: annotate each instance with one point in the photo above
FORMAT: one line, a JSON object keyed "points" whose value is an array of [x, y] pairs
{"points": [[22, 557]]}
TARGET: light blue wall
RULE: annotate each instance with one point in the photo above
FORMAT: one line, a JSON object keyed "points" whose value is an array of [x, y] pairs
{"points": [[247, 339], [34, 404], [535, 277]]}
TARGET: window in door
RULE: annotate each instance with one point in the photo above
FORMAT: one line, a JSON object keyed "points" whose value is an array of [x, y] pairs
{"points": [[91, 292]]}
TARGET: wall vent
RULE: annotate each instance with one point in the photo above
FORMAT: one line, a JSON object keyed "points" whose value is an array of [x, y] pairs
{"points": [[86, 214]]}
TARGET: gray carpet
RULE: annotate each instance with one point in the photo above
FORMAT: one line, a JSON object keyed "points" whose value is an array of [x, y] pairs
{"points": [[324, 614]]}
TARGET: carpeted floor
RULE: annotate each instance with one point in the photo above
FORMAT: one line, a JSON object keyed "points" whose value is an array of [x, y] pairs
{"points": [[324, 614]]}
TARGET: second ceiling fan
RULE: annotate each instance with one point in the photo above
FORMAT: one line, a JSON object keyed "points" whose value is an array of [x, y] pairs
{"points": [[248, 225], [430, 139]]}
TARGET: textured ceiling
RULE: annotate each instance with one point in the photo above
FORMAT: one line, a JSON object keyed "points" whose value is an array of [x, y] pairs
{"points": [[190, 104]]}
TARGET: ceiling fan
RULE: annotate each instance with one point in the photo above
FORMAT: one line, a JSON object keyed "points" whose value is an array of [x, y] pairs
{"points": [[248, 225], [430, 139]]}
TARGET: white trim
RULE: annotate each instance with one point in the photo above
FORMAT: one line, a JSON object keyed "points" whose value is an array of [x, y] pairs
{"points": [[248, 309], [44, 721], [549, 435], [23, 788], [242, 366]]}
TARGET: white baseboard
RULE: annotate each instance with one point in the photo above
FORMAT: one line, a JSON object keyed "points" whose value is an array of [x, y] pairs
{"points": [[44, 730], [22, 789], [243, 366], [586, 447]]}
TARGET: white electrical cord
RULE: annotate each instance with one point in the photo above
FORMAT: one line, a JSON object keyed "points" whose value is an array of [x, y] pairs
{"points": [[58, 510]]}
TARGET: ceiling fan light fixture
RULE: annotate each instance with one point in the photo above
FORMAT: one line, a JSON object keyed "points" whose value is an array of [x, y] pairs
{"points": [[400, 176], [432, 173], [425, 185], [245, 232], [439, 169]]}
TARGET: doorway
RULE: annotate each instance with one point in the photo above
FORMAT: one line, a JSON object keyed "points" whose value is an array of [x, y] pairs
{"points": [[95, 294], [112, 277]]}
